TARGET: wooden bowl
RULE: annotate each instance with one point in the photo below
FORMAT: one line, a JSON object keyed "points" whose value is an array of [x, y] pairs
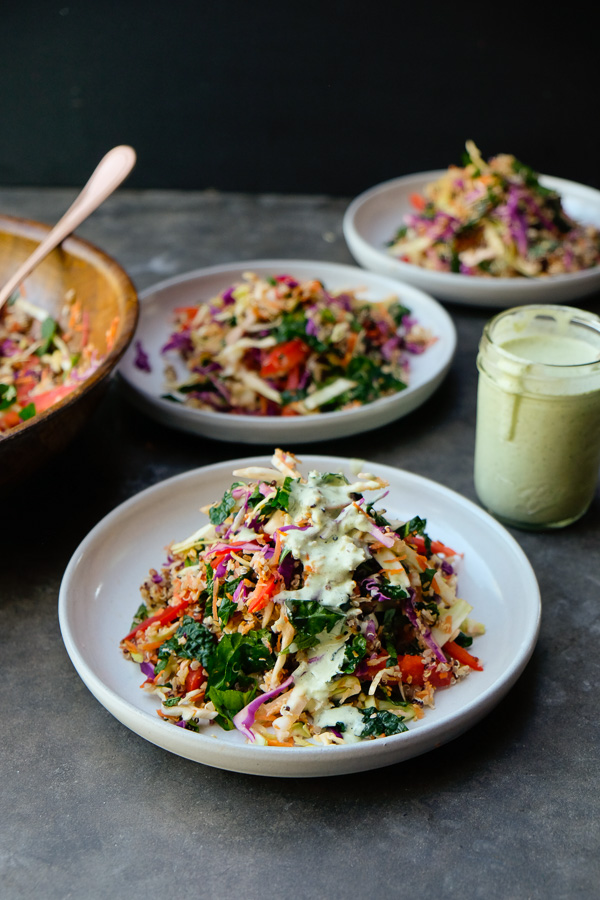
{"points": [[106, 292]]}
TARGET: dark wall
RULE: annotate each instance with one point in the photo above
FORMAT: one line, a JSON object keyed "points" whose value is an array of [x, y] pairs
{"points": [[326, 96]]}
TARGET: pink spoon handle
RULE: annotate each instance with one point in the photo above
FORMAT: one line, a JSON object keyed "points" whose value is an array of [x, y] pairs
{"points": [[106, 177]]}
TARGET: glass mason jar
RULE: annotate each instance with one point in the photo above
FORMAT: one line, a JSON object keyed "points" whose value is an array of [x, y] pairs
{"points": [[537, 446]]}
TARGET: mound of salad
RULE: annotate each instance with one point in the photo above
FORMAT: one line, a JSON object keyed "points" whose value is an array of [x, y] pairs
{"points": [[494, 219], [279, 347], [300, 615], [40, 362]]}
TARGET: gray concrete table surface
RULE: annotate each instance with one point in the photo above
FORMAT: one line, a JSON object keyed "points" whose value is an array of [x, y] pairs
{"points": [[89, 809]]}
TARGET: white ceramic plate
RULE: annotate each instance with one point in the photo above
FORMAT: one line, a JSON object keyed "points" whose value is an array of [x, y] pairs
{"points": [[100, 592], [155, 325], [373, 218]]}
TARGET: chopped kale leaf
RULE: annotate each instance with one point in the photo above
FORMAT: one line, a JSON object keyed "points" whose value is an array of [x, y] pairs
{"points": [[8, 395], [463, 640], [381, 722], [310, 618], [219, 512], [355, 652], [228, 703], [237, 658], [426, 578], [191, 641]]}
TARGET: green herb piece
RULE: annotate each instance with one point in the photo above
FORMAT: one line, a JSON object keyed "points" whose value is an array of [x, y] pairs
{"points": [[293, 325], [327, 317], [463, 640], [237, 658], [431, 606], [375, 515], [172, 701], [28, 412], [8, 395], [426, 578], [141, 613], [280, 500], [526, 173], [393, 655], [415, 526], [310, 618], [219, 511], [381, 721], [49, 331], [228, 703], [227, 607], [401, 233], [191, 641], [392, 623], [371, 381], [393, 591], [334, 478], [397, 312], [355, 652]]}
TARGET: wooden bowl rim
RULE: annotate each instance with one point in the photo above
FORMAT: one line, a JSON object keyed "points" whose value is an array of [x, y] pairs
{"points": [[84, 250]]}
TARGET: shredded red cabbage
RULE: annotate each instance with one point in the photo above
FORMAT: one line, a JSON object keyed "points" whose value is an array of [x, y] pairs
{"points": [[244, 720]]}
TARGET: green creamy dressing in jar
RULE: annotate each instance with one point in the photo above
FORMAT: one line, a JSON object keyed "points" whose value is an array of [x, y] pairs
{"points": [[537, 448]]}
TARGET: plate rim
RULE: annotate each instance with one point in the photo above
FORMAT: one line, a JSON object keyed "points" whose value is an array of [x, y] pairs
{"points": [[492, 286], [293, 425], [390, 749]]}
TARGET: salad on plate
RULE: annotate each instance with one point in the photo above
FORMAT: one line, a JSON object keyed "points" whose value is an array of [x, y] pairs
{"points": [[494, 219], [299, 614], [275, 346]]}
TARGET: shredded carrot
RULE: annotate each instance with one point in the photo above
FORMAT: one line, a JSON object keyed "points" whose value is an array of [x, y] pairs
{"points": [[422, 561], [85, 327], [261, 595], [215, 597], [267, 719], [75, 314], [277, 551], [111, 334], [151, 645], [351, 342]]}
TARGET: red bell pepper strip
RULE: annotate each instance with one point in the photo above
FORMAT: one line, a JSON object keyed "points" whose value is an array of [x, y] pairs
{"points": [[49, 398], [193, 679], [462, 656], [418, 201], [187, 314], [161, 618], [412, 668], [284, 357]]}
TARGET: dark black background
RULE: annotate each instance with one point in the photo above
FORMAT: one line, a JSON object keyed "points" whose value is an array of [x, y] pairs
{"points": [[323, 96]]}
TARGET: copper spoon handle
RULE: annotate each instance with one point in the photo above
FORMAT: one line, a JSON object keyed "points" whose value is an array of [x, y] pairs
{"points": [[106, 177]]}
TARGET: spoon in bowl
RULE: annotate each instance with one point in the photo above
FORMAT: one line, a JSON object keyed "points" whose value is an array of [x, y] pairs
{"points": [[106, 177]]}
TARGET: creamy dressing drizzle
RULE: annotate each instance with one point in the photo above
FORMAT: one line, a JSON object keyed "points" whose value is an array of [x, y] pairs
{"points": [[326, 548], [329, 554]]}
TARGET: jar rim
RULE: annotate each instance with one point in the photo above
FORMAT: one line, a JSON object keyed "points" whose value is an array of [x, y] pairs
{"points": [[578, 317]]}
